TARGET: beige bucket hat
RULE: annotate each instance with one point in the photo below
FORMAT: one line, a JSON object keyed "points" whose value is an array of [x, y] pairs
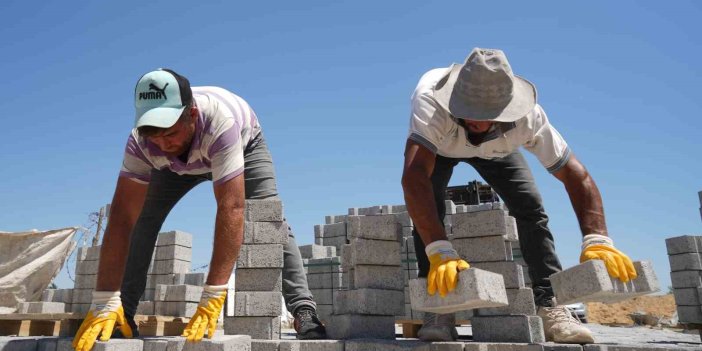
{"points": [[485, 89]]}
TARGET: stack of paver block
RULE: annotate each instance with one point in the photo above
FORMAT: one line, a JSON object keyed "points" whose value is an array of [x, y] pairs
{"points": [[372, 263], [168, 271], [685, 256], [87, 261], [333, 233], [483, 236], [324, 275], [63, 296], [258, 297]]}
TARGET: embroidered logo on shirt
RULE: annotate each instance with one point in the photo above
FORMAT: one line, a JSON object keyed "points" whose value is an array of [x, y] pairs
{"points": [[151, 95]]}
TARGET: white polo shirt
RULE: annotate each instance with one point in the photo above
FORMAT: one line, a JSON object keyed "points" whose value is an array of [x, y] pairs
{"points": [[225, 126], [435, 128]]}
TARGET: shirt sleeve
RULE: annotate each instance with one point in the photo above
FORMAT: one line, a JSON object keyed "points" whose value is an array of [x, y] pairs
{"points": [[427, 127], [227, 153], [546, 143], [135, 165]]}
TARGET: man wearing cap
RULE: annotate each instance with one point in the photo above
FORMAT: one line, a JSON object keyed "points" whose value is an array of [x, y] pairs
{"points": [[480, 113], [183, 137]]}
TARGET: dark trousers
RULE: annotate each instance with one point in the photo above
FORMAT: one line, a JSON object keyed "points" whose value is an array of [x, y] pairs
{"points": [[511, 178], [166, 188]]}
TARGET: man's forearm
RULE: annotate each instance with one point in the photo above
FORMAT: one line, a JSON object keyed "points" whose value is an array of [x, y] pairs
{"points": [[229, 234], [587, 204], [419, 197], [113, 255]]}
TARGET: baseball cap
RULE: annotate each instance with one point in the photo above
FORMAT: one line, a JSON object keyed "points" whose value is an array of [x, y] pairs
{"points": [[160, 97]]}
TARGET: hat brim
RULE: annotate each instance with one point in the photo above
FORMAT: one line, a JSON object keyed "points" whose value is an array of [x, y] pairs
{"points": [[161, 117], [523, 100]]}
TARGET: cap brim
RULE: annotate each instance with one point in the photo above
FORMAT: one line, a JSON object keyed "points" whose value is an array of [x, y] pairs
{"points": [[523, 101], [161, 117]]}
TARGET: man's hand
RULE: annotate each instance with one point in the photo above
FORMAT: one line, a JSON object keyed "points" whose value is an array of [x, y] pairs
{"points": [[205, 318], [105, 312], [444, 265], [600, 247]]}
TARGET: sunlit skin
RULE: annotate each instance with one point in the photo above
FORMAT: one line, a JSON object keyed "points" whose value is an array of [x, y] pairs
{"points": [[477, 127], [176, 140]]}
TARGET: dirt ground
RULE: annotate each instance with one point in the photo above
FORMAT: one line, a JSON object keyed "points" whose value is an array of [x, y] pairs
{"points": [[618, 313]]}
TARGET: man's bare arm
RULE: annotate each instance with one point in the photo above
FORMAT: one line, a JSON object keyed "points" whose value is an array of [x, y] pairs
{"points": [[229, 229], [419, 194], [584, 196], [126, 206]]}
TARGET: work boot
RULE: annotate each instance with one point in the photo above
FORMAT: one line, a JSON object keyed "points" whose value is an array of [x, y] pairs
{"points": [[561, 327], [307, 324], [438, 327]]}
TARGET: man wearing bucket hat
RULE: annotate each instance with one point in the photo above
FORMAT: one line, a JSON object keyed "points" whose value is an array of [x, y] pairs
{"points": [[183, 137], [480, 113]]}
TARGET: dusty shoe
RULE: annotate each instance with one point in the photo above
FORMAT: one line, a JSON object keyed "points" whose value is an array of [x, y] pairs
{"points": [[561, 327], [438, 327], [308, 326]]}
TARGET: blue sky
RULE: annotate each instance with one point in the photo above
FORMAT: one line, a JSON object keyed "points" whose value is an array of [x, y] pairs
{"points": [[331, 81]]}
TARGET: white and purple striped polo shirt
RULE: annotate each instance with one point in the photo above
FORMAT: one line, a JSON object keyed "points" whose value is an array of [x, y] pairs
{"points": [[224, 128]]}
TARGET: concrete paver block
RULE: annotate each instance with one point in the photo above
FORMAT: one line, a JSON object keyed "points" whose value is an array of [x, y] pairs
{"points": [[590, 282], [257, 304], [311, 345], [330, 230], [369, 302], [170, 267], [373, 252], [404, 219], [88, 253], [335, 219], [173, 252], [80, 308], [195, 279], [186, 293], [256, 327], [503, 346], [259, 279], [372, 227], [266, 232], [336, 241], [265, 345], [682, 244], [508, 329], [476, 288], [83, 296], [354, 326], [85, 281], [217, 343], [521, 301], [690, 314], [324, 265], [263, 211], [326, 281], [317, 251], [323, 296], [483, 249], [260, 256], [686, 279], [512, 272], [175, 308], [378, 277], [41, 307], [484, 223], [687, 296], [175, 237], [387, 345], [685, 262], [146, 308], [87, 267]]}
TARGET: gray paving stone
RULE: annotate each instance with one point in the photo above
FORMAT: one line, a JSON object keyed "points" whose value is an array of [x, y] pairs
{"points": [[484, 223], [173, 252], [590, 282], [175, 237], [479, 346], [687, 296], [682, 244], [81, 296], [88, 253], [521, 301], [686, 279], [323, 296], [186, 293], [119, 345], [690, 314], [87, 267], [369, 302], [41, 307], [85, 281], [260, 256], [217, 343], [335, 219], [386, 345], [373, 252], [446, 346], [259, 279], [266, 232], [326, 281], [263, 211], [311, 345], [475, 289], [44, 344], [330, 230], [265, 345], [175, 308], [80, 308], [512, 272], [561, 347], [373, 227], [317, 251], [527, 329], [170, 267], [146, 308], [256, 327], [18, 343], [483, 249], [378, 277], [195, 279], [337, 242], [685, 262], [353, 326], [257, 304], [324, 265], [404, 219]]}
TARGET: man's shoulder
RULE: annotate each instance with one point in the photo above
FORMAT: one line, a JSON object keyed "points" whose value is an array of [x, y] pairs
{"points": [[429, 79]]}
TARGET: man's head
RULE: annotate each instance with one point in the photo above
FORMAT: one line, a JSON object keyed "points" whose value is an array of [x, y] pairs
{"points": [[165, 113], [485, 89]]}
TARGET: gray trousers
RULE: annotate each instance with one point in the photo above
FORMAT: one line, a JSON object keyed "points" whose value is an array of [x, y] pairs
{"points": [[167, 188], [511, 178]]}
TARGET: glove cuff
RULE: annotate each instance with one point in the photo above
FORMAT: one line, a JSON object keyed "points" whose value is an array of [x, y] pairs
{"points": [[596, 239], [212, 291], [106, 300], [438, 247]]}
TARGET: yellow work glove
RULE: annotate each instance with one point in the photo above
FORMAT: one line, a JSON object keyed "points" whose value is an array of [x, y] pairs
{"points": [[600, 247], [444, 265], [205, 318], [105, 311]]}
